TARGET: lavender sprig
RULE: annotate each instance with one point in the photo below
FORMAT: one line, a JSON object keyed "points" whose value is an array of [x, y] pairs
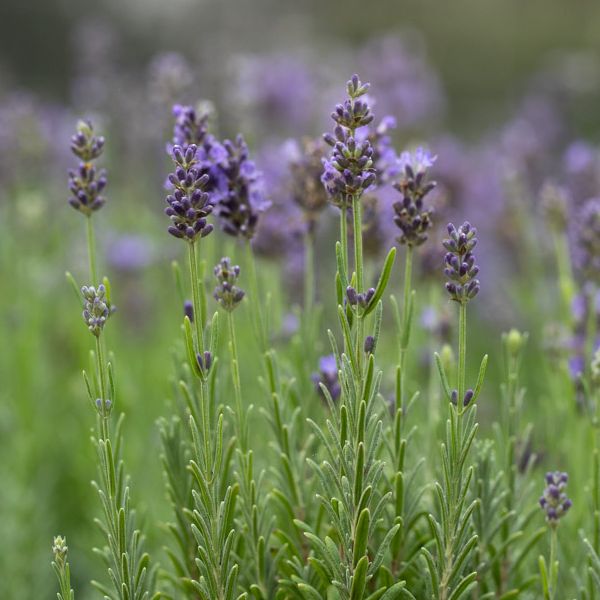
{"points": [[189, 205], [411, 216], [460, 263], [554, 501], [243, 200], [86, 183], [349, 169], [555, 504]]}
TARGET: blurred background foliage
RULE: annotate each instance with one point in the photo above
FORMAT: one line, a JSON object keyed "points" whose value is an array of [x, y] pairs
{"points": [[491, 82]]}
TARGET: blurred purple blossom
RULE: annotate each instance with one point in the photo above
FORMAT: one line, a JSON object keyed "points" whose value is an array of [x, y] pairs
{"points": [[407, 87], [327, 375]]}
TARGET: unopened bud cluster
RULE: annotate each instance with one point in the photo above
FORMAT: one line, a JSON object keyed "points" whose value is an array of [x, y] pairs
{"points": [[554, 500], [460, 267], [96, 309], [189, 205], [87, 183], [349, 170], [227, 294]]}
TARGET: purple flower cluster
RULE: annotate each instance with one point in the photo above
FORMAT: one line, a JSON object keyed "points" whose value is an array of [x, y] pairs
{"points": [[86, 183], [459, 262], [554, 500], [242, 199], [411, 217], [189, 205], [328, 376], [191, 127], [349, 170], [227, 294]]}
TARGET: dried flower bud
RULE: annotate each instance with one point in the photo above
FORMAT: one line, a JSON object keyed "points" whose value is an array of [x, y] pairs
{"points": [[369, 346]]}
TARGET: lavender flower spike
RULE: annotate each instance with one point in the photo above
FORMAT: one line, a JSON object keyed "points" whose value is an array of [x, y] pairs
{"points": [[227, 294], [554, 500], [411, 217], [96, 309], [189, 205], [243, 199], [86, 183], [349, 170], [459, 262]]}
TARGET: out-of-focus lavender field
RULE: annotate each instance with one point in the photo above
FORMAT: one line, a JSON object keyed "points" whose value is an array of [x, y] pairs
{"points": [[506, 94]]}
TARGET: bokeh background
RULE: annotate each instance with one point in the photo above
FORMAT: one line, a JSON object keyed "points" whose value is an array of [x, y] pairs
{"points": [[505, 92]]}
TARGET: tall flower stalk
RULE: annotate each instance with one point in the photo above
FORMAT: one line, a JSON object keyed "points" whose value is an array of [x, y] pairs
{"points": [[452, 532], [130, 573], [208, 514]]}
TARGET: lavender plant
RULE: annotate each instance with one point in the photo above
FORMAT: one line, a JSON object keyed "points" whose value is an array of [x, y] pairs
{"points": [[454, 540], [129, 569], [328, 490]]}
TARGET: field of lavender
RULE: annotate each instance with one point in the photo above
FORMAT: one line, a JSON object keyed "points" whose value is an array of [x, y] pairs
{"points": [[274, 332]]}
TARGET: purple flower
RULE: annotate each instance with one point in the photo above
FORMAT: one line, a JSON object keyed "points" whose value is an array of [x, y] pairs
{"points": [[129, 253], [191, 127], [275, 92], [460, 267], [243, 198], [349, 170], [554, 500], [411, 216], [328, 376], [406, 84], [86, 183], [189, 205]]}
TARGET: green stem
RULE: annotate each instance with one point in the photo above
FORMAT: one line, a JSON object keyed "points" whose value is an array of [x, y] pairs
{"points": [[103, 427], [237, 388], [358, 253], [309, 272], [255, 300], [462, 353], [199, 311], [344, 236], [553, 563], [406, 322], [91, 244], [565, 274]]}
